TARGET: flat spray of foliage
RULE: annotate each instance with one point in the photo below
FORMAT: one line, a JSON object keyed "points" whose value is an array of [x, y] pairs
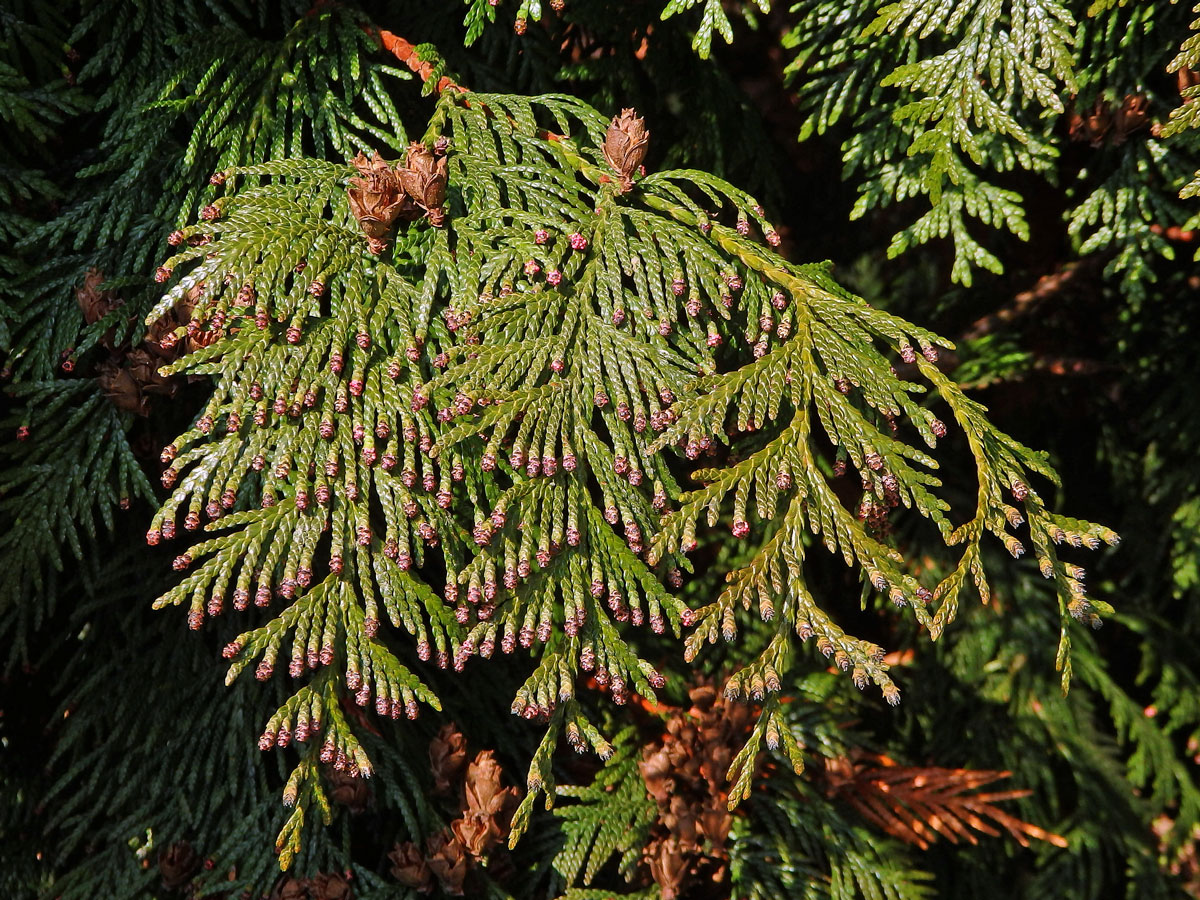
{"points": [[457, 417]]}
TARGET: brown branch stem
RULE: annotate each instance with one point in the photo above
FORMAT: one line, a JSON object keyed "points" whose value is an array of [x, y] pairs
{"points": [[407, 54]]}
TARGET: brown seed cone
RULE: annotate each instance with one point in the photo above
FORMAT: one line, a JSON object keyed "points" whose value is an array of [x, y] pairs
{"points": [[714, 825], [288, 888], [121, 389], [352, 793], [1132, 115], [95, 303], [478, 833], [143, 368], [201, 338], [447, 758], [160, 331], [447, 860], [376, 195], [178, 863], [656, 772], [668, 866], [625, 145], [685, 773], [409, 867], [1097, 123], [329, 886], [703, 698], [1091, 125], [424, 179], [681, 819], [484, 795]]}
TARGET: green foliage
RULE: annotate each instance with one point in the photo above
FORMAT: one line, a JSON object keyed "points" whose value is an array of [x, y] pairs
{"points": [[712, 18], [73, 433], [611, 816], [332, 354], [408, 458], [118, 209], [970, 81], [981, 92]]}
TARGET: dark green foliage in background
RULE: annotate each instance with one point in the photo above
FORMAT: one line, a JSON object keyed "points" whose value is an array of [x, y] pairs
{"points": [[932, 151]]}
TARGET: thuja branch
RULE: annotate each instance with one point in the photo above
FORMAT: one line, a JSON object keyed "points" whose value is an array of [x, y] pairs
{"points": [[465, 368]]}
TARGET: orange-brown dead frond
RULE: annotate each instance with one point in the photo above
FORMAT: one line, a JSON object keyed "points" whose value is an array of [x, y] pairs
{"points": [[918, 803]]}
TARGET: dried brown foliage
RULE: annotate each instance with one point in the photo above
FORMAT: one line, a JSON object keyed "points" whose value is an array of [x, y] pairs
{"points": [[917, 804]]}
